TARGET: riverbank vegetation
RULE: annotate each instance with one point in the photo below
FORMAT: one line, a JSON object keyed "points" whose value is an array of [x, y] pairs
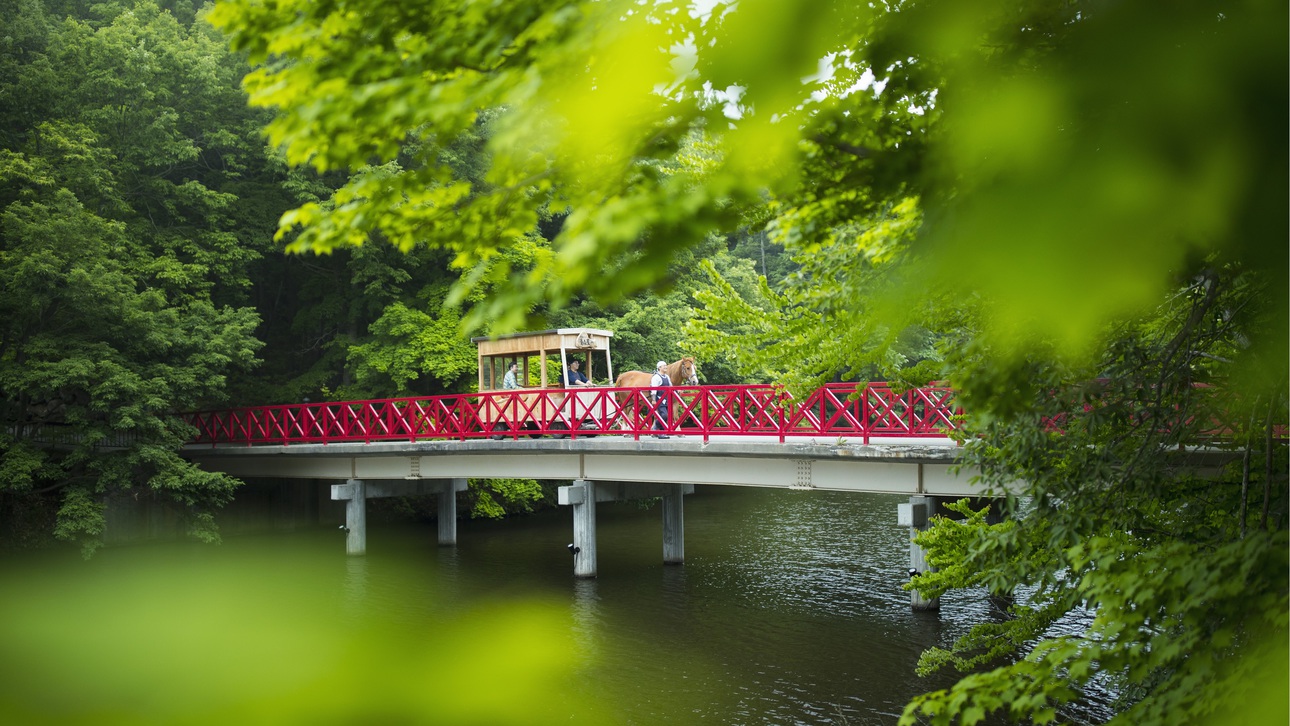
{"points": [[1074, 213]]}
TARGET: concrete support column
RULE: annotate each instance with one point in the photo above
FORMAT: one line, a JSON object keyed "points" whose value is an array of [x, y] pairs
{"points": [[356, 492], [921, 508], [448, 511], [674, 525], [356, 518], [581, 495]]}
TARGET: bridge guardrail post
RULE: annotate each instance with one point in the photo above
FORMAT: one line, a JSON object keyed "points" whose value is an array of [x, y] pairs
{"points": [[864, 414], [780, 399], [704, 423]]}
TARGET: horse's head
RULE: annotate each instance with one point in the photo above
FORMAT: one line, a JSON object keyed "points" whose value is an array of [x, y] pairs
{"points": [[689, 372]]}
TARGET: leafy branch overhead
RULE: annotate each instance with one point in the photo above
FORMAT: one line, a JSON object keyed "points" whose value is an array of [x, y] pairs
{"points": [[1025, 138]]}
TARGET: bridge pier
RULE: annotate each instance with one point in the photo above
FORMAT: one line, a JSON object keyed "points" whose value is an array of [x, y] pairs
{"points": [[674, 525], [448, 510], [583, 494], [356, 492], [921, 509], [917, 515]]}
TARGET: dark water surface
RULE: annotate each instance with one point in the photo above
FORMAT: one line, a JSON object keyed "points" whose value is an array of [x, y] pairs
{"points": [[788, 610]]}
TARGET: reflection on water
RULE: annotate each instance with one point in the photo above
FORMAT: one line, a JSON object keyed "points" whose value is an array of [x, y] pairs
{"points": [[788, 610], [586, 619], [355, 585]]}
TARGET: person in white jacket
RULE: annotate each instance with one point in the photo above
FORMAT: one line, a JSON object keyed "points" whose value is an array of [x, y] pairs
{"points": [[658, 397]]}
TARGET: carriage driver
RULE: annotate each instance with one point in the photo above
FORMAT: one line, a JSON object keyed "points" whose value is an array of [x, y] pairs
{"points": [[658, 397]]}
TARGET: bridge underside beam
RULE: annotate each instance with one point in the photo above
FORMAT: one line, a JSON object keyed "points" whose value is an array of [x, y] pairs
{"points": [[840, 473]]}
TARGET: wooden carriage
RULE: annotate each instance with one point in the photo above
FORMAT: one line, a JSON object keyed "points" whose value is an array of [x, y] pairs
{"points": [[548, 406]]}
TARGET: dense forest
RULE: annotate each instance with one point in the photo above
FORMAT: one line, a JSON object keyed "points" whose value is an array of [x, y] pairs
{"points": [[1073, 212]]}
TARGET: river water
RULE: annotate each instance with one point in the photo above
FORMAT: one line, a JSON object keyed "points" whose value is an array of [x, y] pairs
{"points": [[788, 610]]}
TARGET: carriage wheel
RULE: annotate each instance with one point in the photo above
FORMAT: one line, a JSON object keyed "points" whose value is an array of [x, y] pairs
{"points": [[499, 431], [558, 426]]}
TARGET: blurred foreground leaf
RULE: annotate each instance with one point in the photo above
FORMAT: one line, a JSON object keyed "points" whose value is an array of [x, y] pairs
{"points": [[161, 638]]}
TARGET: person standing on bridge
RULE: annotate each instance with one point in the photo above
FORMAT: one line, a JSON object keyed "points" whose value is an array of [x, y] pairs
{"points": [[508, 381], [658, 396], [572, 377]]}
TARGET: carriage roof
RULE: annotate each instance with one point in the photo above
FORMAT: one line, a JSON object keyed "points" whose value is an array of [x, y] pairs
{"points": [[544, 340]]}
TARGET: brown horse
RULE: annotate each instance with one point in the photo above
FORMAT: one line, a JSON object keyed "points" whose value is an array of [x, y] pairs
{"points": [[683, 373]]}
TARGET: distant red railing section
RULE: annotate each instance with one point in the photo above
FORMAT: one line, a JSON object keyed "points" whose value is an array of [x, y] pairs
{"points": [[842, 410]]}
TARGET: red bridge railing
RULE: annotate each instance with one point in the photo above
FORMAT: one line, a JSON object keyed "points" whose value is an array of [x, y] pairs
{"points": [[841, 410]]}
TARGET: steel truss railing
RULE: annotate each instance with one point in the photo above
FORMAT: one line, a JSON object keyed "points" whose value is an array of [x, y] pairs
{"points": [[842, 410]]}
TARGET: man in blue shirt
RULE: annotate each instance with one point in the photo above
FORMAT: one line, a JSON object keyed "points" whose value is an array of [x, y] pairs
{"points": [[572, 377], [508, 381]]}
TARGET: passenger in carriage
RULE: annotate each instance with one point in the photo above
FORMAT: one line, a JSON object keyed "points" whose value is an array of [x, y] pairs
{"points": [[572, 377], [508, 381]]}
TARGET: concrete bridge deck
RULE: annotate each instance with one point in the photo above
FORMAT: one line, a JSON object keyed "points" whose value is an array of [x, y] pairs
{"points": [[895, 466]]}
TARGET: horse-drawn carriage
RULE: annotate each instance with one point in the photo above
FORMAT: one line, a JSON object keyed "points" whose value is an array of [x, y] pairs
{"points": [[543, 403], [549, 406]]}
